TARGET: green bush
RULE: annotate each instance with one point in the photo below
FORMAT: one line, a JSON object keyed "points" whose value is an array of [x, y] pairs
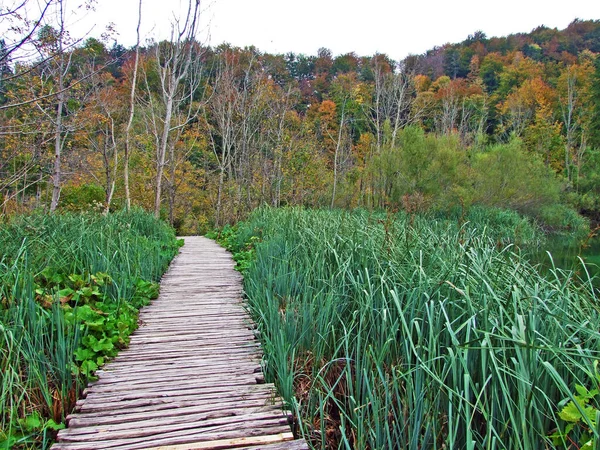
{"points": [[561, 218], [505, 176], [432, 173], [82, 198]]}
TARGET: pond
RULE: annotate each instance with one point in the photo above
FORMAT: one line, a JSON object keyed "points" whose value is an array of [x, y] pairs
{"points": [[566, 254]]}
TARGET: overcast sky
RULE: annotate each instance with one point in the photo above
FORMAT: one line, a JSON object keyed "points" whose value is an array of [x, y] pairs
{"points": [[397, 28]]}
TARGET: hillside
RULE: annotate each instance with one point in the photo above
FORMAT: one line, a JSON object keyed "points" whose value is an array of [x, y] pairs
{"points": [[203, 135]]}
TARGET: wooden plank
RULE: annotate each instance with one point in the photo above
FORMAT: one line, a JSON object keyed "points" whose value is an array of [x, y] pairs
{"points": [[143, 440], [184, 335], [165, 381], [219, 338], [299, 444], [232, 374], [109, 378], [233, 343], [171, 392], [234, 443], [239, 352], [234, 405], [204, 390], [166, 403], [150, 427], [233, 364], [210, 315]]}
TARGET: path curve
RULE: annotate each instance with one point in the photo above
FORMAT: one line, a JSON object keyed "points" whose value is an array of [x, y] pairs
{"points": [[191, 376]]}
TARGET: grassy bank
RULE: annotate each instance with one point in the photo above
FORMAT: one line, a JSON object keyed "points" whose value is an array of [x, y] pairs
{"points": [[419, 332], [70, 288]]}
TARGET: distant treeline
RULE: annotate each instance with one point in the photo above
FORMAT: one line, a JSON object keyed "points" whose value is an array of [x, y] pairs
{"points": [[203, 135]]}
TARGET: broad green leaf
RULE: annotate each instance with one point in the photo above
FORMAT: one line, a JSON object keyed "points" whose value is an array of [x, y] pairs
{"points": [[570, 413], [82, 354]]}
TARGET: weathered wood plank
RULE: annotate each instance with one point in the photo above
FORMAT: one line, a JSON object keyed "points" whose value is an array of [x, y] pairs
{"points": [[158, 423], [135, 346], [203, 387], [210, 422], [233, 404], [154, 393], [219, 444], [200, 339], [174, 336], [109, 378], [263, 441], [197, 382], [252, 352], [231, 375], [230, 431], [136, 405], [299, 444], [188, 362]]}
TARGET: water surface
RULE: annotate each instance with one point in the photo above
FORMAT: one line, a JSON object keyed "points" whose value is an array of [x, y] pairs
{"points": [[567, 253]]}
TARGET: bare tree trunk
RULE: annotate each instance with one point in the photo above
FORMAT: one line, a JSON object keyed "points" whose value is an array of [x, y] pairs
{"points": [[580, 153], [392, 103], [403, 100], [378, 95], [162, 152], [337, 154], [172, 182], [568, 108], [131, 112], [111, 179], [56, 175], [219, 197], [222, 108], [38, 189], [174, 67]]}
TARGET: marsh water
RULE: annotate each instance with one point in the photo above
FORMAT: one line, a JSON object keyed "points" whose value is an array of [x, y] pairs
{"points": [[568, 253]]}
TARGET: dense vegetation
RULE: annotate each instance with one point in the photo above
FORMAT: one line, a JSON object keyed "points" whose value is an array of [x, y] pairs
{"points": [[203, 135], [70, 288], [414, 331], [424, 326]]}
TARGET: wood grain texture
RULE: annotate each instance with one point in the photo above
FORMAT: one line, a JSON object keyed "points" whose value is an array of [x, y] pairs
{"points": [[191, 377]]}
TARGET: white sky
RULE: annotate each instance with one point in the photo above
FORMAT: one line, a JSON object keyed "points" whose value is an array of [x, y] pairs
{"points": [[303, 26]]}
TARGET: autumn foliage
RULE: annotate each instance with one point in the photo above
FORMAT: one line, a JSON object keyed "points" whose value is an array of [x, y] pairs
{"points": [[249, 128]]}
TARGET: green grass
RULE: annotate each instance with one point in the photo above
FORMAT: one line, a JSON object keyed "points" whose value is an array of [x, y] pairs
{"points": [[419, 332], [70, 288]]}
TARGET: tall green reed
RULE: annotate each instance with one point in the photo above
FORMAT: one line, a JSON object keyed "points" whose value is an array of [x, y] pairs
{"points": [[417, 332]]}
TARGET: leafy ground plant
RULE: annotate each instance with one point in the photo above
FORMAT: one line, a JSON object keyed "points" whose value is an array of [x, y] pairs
{"points": [[243, 254], [580, 416], [70, 290]]}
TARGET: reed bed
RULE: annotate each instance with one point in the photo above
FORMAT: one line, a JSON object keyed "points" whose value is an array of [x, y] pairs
{"points": [[70, 286], [416, 332]]}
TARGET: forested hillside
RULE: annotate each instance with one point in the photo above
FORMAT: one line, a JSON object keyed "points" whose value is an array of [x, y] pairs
{"points": [[203, 135]]}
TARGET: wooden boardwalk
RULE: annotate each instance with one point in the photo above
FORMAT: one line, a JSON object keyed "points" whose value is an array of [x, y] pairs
{"points": [[191, 377]]}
